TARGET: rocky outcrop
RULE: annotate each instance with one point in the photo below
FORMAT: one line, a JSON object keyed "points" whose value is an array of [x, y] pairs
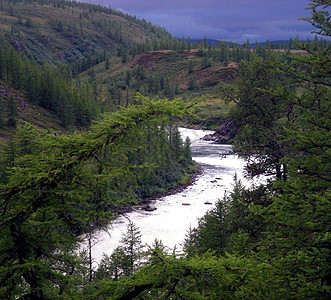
{"points": [[224, 133]]}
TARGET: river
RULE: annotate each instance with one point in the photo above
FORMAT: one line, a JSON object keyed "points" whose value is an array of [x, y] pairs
{"points": [[171, 220]]}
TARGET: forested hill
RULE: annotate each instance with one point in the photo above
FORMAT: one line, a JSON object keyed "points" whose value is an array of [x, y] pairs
{"points": [[56, 31], [43, 44]]}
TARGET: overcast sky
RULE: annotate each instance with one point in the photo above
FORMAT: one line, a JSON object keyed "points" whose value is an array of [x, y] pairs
{"points": [[230, 20]]}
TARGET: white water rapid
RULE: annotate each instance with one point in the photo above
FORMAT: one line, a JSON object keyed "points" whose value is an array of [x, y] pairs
{"points": [[171, 220]]}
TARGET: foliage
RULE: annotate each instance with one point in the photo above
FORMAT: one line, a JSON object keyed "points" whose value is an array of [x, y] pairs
{"points": [[272, 241], [12, 111], [125, 259], [260, 114], [47, 86], [268, 242], [234, 225], [58, 187], [201, 277]]}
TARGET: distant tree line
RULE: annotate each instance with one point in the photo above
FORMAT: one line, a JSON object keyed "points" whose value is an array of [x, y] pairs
{"points": [[86, 63], [225, 51]]}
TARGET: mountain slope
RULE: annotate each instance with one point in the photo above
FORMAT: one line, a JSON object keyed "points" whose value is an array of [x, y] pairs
{"points": [[165, 74], [24, 111], [179, 68], [58, 32], [67, 31]]}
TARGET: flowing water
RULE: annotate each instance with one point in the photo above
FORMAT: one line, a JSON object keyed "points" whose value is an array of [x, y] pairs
{"points": [[176, 213]]}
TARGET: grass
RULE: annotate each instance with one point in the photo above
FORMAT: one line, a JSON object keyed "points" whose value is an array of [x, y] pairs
{"points": [[56, 35]]}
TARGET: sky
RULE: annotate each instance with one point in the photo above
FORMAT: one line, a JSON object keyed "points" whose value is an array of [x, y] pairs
{"points": [[228, 20]]}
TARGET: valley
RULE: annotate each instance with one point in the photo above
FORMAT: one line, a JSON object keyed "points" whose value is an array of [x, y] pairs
{"points": [[93, 106]]}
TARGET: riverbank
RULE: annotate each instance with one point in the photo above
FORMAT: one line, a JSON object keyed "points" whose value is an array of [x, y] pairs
{"points": [[224, 134], [192, 178], [147, 201]]}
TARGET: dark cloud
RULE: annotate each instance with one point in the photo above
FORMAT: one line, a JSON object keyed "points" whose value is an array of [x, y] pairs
{"points": [[236, 20]]}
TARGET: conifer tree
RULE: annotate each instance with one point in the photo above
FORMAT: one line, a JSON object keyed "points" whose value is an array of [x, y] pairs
{"points": [[49, 198], [277, 238], [125, 259], [299, 216], [107, 64], [260, 115]]}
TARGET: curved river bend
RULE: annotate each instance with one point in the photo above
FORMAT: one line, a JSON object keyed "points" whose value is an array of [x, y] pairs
{"points": [[170, 222]]}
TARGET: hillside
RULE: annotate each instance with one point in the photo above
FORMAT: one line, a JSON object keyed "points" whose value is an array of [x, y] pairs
{"points": [[68, 31], [178, 66], [166, 74], [43, 43], [24, 111], [101, 46], [181, 66]]}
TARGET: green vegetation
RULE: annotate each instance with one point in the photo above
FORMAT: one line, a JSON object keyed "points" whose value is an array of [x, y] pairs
{"points": [[268, 242], [56, 31], [178, 69], [163, 74], [57, 187], [48, 87]]}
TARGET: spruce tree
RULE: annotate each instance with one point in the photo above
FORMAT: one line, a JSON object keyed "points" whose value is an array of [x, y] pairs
{"points": [[50, 197]]}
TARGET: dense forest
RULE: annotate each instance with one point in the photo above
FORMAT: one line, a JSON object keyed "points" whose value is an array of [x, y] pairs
{"points": [[48, 87], [270, 241]]}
